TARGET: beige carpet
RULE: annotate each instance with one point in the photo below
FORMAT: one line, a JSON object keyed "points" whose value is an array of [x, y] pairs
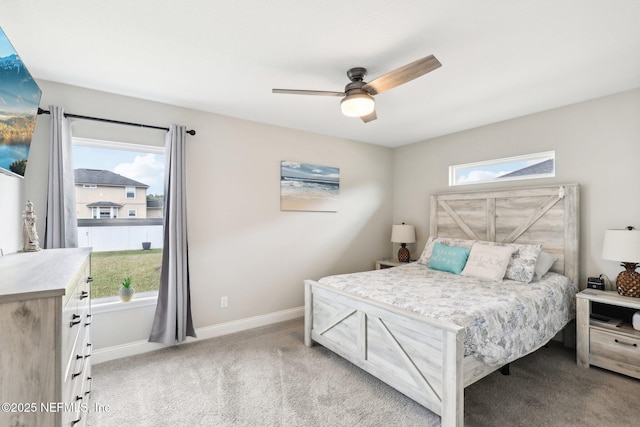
{"points": [[267, 377]]}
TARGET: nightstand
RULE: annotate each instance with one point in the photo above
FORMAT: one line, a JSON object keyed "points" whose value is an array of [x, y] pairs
{"points": [[603, 344], [388, 263]]}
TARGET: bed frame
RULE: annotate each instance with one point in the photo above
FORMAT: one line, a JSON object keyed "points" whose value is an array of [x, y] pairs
{"points": [[423, 357]]}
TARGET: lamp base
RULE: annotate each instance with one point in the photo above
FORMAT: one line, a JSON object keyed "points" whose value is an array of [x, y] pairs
{"points": [[628, 282], [403, 253]]}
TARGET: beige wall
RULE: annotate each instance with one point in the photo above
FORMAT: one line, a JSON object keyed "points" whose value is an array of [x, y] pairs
{"points": [[86, 196], [240, 244], [154, 212], [12, 203], [597, 145]]}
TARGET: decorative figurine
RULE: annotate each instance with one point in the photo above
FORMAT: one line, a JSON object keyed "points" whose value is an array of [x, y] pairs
{"points": [[30, 240]]}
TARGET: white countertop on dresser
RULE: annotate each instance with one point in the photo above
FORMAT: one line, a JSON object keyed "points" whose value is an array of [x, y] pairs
{"points": [[46, 273]]}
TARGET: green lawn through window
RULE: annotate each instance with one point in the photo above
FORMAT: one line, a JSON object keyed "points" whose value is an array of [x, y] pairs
{"points": [[109, 269]]}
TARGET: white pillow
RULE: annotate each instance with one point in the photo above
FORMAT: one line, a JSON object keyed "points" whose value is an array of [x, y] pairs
{"points": [[523, 261], [488, 261], [545, 261]]}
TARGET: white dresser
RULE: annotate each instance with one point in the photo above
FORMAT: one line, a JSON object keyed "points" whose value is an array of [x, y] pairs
{"points": [[45, 338]]}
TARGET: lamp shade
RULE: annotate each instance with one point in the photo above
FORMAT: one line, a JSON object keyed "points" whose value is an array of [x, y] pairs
{"points": [[403, 233], [357, 105], [621, 245]]}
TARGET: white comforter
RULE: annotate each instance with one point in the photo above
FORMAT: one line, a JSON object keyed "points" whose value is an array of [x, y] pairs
{"points": [[504, 320]]}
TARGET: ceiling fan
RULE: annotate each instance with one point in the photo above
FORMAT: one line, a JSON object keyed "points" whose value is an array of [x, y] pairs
{"points": [[358, 95]]}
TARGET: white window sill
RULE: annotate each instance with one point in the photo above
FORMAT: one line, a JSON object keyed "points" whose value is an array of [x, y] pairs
{"points": [[106, 305]]}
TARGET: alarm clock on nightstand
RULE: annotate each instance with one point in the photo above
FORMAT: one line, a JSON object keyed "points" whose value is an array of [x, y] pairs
{"points": [[595, 283]]}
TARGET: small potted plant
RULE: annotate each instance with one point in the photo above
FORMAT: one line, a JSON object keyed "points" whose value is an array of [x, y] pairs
{"points": [[126, 291]]}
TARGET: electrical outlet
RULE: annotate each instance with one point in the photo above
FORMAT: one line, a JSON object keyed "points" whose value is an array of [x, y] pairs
{"points": [[224, 302]]}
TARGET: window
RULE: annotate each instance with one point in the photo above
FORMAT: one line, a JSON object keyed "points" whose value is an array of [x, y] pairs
{"points": [[98, 212], [538, 165], [109, 212], [118, 226], [130, 192], [89, 186]]}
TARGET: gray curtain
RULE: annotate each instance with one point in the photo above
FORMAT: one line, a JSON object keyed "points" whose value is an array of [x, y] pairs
{"points": [[61, 229], [172, 322]]}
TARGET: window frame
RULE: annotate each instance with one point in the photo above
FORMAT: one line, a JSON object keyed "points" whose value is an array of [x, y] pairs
{"points": [[126, 192], [113, 303], [113, 212], [454, 170]]}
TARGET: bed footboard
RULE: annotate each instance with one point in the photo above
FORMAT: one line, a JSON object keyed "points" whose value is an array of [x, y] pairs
{"points": [[418, 356]]}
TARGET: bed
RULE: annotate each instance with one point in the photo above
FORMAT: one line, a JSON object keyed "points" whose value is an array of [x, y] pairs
{"points": [[423, 355]]}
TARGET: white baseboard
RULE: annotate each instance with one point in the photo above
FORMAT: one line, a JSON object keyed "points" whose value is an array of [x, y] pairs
{"points": [[138, 347]]}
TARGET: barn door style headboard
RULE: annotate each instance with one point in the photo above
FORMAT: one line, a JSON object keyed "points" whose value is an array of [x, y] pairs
{"points": [[546, 215]]}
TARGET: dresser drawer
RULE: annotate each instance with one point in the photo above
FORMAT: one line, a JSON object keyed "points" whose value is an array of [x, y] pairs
{"points": [[74, 370], [615, 347], [72, 320], [75, 401], [76, 310]]}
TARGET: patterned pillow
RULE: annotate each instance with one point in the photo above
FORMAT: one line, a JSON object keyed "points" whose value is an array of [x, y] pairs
{"points": [[523, 262], [448, 258], [488, 261], [428, 248]]}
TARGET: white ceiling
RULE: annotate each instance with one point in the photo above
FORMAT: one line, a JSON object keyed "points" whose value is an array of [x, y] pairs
{"points": [[500, 58]]}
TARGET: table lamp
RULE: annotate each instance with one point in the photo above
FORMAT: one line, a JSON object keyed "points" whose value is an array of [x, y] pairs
{"points": [[403, 234], [624, 246]]}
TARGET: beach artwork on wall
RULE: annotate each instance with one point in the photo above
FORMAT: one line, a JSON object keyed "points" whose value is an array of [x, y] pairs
{"points": [[305, 187], [19, 100]]}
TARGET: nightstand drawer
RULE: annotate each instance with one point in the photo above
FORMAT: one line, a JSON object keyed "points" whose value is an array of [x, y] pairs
{"points": [[615, 347]]}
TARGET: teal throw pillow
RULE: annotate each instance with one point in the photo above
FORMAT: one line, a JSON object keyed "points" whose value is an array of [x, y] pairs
{"points": [[448, 258]]}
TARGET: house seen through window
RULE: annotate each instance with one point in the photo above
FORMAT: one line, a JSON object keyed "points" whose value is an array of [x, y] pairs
{"points": [[119, 204]]}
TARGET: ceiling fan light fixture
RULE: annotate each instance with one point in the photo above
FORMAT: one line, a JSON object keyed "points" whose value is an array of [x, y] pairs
{"points": [[357, 105]]}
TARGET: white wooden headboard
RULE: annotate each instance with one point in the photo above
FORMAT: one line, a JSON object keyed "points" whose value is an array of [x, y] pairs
{"points": [[546, 215]]}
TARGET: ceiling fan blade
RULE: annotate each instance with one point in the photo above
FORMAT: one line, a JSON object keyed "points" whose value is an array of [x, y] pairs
{"points": [[402, 75], [369, 117], [307, 92]]}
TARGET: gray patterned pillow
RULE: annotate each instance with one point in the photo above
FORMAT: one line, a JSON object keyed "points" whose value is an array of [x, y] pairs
{"points": [[522, 265], [428, 247]]}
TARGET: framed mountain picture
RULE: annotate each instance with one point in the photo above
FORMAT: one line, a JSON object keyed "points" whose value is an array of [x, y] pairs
{"points": [[19, 101]]}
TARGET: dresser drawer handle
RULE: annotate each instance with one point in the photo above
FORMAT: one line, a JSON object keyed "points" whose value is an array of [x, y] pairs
{"points": [[84, 294], [74, 422], [77, 374], [626, 343], [74, 321], [89, 279]]}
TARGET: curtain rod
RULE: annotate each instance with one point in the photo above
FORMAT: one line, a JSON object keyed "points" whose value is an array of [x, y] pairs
{"points": [[97, 119]]}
